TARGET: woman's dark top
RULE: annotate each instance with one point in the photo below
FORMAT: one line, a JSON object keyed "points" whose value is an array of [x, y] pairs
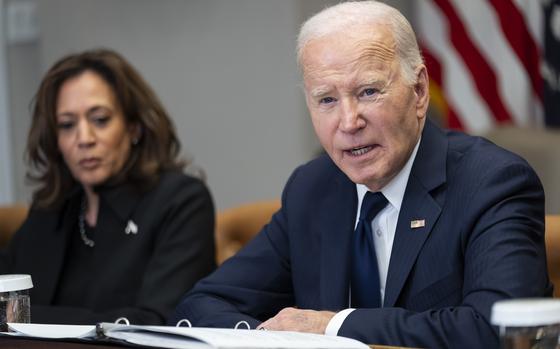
{"points": [[140, 276]]}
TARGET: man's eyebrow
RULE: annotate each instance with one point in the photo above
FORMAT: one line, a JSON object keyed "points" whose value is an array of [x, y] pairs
{"points": [[369, 81], [319, 91], [368, 77]]}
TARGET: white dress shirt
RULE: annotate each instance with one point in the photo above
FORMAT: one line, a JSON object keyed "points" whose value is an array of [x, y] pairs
{"points": [[383, 227]]}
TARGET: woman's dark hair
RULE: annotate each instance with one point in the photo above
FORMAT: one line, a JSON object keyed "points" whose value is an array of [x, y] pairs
{"points": [[157, 148]]}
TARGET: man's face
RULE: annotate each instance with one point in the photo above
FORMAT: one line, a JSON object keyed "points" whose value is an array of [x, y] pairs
{"points": [[366, 116]]}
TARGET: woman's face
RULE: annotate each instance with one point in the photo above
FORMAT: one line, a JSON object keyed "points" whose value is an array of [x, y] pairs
{"points": [[93, 135]]}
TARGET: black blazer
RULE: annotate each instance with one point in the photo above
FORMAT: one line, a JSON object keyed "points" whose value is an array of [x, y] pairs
{"points": [[483, 241], [139, 276]]}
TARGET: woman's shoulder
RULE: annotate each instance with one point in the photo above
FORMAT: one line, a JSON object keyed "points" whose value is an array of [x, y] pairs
{"points": [[56, 210], [178, 179], [177, 184], [47, 218]]}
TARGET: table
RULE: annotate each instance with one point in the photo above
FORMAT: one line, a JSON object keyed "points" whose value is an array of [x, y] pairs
{"points": [[20, 343], [24, 343]]}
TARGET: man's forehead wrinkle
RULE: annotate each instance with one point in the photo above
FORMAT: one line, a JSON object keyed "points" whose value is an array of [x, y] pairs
{"points": [[319, 72], [364, 54], [375, 50]]}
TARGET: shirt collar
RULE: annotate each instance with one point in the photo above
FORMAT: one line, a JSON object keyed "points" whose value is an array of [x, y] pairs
{"points": [[121, 198], [394, 190]]}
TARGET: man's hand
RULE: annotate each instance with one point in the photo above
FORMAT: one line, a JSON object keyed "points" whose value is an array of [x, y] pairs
{"points": [[292, 319]]}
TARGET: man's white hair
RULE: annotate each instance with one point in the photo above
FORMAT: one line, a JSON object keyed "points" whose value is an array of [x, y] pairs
{"points": [[348, 15]]}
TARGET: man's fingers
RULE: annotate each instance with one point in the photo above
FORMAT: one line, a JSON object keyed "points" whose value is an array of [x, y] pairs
{"points": [[293, 319]]}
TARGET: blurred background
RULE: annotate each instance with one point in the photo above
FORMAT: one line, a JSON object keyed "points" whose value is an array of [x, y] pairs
{"points": [[226, 72]]}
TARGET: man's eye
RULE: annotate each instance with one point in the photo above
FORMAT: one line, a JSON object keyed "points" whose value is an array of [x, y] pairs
{"points": [[368, 92], [327, 100]]}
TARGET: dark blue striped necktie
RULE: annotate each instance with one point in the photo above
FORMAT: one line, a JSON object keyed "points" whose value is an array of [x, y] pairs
{"points": [[365, 275]]}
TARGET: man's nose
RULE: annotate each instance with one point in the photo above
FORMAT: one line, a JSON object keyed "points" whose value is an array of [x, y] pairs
{"points": [[86, 134], [351, 119]]}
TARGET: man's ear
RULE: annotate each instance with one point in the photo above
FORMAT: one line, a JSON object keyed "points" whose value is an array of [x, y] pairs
{"points": [[422, 91]]}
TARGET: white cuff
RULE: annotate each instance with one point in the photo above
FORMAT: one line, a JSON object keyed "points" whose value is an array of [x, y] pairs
{"points": [[336, 322]]}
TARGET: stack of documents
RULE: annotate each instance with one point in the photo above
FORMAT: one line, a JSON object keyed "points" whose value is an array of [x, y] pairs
{"points": [[186, 337]]}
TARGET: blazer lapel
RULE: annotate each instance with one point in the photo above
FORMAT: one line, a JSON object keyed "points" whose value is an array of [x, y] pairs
{"points": [[336, 219], [56, 243], [419, 211], [116, 208]]}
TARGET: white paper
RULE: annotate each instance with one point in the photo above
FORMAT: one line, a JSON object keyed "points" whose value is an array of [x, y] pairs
{"points": [[191, 338], [52, 331], [159, 340], [230, 339]]}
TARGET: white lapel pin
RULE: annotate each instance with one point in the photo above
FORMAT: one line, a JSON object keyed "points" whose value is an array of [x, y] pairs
{"points": [[131, 227], [417, 223]]}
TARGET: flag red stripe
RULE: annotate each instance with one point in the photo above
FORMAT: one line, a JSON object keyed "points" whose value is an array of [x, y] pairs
{"points": [[435, 73], [434, 67], [516, 31], [453, 120], [482, 74]]}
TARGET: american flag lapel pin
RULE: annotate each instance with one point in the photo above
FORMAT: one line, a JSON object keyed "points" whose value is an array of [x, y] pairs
{"points": [[131, 227], [417, 223]]}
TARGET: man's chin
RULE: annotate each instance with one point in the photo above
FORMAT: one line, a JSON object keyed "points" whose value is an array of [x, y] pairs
{"points": [[361, 179], [362, 176]]}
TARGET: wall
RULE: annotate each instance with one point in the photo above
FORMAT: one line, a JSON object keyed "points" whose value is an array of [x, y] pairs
{"points": [[24, 76], [6, 189], [225, 70]]}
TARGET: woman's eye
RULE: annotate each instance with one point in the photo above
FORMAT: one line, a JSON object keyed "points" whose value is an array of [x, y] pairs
{"points": [[326, 100], [65, 125], [101, 120], [368, 92]]}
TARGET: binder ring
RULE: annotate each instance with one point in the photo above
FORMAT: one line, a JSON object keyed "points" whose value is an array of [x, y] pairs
{"points": [[242, 322], [183, 321], [122, 320]]}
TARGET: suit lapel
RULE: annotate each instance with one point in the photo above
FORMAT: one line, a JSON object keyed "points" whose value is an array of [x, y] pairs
{"points": [[428, 172], [336, 224], [417, 205]]}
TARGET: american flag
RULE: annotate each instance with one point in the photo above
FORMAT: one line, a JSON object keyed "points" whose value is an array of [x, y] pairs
{"points": [[492, 62]]}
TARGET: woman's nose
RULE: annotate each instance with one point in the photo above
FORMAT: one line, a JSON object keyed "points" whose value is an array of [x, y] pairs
{"points": [[86, 134]]}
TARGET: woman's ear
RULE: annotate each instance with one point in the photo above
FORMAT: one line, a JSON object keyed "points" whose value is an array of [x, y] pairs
{"points": [[135, 133]]}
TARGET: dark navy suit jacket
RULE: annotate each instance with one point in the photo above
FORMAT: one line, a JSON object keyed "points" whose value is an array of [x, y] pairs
{"points": [[483, 241]]}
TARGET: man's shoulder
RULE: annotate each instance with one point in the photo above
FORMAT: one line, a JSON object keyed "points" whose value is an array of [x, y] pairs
{"points": [[321, 163], [473, 159], [315, 178], [480, 149], [322, 168]]}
